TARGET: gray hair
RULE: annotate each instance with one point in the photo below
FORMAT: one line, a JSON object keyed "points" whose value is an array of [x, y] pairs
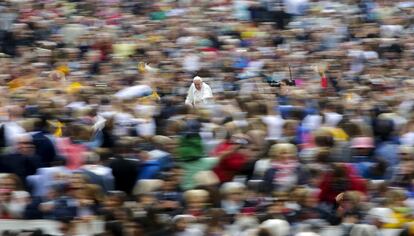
{"points": [[197, 78]]}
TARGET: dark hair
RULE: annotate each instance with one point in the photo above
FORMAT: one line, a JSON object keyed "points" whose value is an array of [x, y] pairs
{"points": [[263, 232], [324, 141], [114, 228], [323, 156], [41, 124]]}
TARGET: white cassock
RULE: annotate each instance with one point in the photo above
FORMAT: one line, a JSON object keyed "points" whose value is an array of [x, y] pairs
{"points": [[199, 97]]}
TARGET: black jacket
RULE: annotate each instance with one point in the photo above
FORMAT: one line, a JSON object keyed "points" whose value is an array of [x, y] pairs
{"points": [[125, 172]]}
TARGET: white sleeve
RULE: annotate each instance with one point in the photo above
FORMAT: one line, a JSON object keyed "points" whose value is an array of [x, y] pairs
{"points": [[207, 92]]}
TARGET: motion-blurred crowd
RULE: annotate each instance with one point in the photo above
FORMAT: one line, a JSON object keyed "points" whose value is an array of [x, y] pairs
{"points": [[311, 122]]}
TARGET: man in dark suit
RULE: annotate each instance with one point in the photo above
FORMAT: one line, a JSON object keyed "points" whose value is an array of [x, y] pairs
{"points": [[44, 147], [124, 167], [22, 161]]}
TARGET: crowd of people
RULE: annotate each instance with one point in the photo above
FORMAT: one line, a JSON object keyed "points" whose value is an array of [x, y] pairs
{"points": [[208, 117]]}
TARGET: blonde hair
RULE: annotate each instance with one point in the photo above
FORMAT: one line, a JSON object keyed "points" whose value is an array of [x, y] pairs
{"points": [[277, 149], [394, 196], [197, 195]]}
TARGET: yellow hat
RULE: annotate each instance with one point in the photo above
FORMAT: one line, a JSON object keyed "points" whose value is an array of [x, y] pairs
{"points": [[74, 87], [338, 133]]}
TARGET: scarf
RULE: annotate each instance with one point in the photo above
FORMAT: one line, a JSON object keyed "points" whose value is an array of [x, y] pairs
{"points": [[286, 175]]}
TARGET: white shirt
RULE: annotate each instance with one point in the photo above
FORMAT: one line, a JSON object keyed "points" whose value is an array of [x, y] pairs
{"points": [[11, 132], [274, 126], [332, 119], [312, 122]]}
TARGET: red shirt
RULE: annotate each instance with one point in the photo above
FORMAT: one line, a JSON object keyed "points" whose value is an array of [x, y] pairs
{"points": [[230, 165], [354, 183], [324, 82]]}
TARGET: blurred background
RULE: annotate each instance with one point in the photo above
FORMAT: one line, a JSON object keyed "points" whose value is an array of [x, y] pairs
{"points": [[206, 117]]}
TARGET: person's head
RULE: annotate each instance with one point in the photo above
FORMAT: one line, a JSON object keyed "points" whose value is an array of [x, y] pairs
{"points": [[240, 139], [10, 182], [198, 82], [92, 192], [143, 152], [324, 138], [41, 124], [147, 199], [169, 182], [283, 152], [306, 197], [276, 227], [233, 191], [196, 198], [164, 143], [349, 199], [323, 155], [180, 222], [114, 199], [14, 112], [113, 228], [290, 128], [24, 145], [278, 203], [406, 153], [362, 146], [92, 158], [216, 216], [396, 197], [257, 138]]}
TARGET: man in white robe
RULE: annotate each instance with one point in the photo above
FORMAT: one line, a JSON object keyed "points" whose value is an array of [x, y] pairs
{"points": [[199, 93]]}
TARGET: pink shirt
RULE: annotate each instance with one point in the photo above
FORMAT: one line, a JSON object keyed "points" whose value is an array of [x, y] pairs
{"points": [[74, 153]]}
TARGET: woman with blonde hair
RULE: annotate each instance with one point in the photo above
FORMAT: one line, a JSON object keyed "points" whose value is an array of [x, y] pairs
{"points": [[285, 170]]}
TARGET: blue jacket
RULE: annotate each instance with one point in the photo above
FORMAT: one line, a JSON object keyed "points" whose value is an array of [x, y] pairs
{"points": [[149, 169]]}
